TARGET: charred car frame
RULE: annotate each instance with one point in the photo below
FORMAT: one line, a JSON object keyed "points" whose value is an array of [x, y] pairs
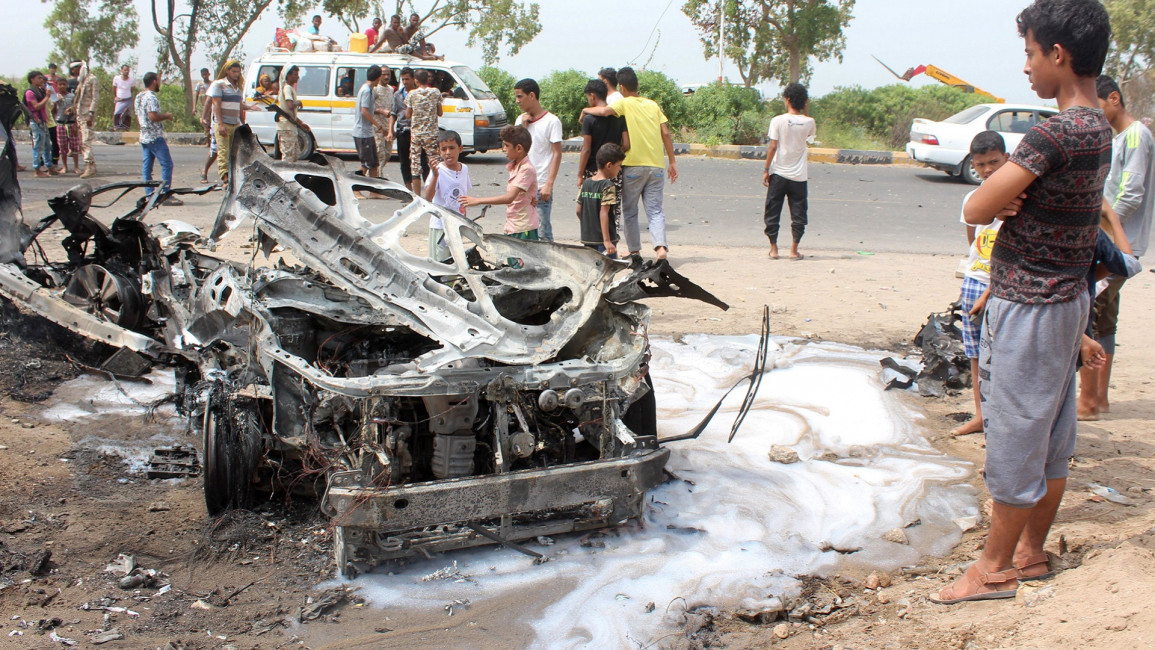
{"points": [[494, 396]]}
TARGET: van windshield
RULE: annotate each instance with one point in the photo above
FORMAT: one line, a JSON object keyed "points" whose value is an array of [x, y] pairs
{"points": [[473, 82]]}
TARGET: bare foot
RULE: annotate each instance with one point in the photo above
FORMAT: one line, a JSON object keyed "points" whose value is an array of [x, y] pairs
{"points": [[973, 425], [660, 252], [773, 252], [1089, 415], [796, 256]]}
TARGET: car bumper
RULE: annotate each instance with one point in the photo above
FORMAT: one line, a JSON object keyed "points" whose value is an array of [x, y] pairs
{"points": [[948, 160], [486, 138], [616, 481]]}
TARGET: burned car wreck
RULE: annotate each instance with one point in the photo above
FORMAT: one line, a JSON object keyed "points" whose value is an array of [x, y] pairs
{"points": [[495, 396]]}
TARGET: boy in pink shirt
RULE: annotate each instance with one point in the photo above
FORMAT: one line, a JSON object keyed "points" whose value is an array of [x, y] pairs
{"points": [[521, 191]]}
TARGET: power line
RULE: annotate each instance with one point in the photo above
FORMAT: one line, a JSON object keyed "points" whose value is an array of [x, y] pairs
{"points": [[652, 31]]}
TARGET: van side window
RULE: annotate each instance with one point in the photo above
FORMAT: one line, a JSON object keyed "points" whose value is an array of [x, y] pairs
{"points": [[349, 80], [274, 72], [314, 81]]}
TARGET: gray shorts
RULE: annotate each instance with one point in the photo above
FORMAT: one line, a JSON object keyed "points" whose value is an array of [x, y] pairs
{"points": [[366, 152], [1027, 356]]}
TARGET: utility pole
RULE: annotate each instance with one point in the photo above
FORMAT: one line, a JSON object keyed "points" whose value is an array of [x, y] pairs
{"points": [[721, 36]]}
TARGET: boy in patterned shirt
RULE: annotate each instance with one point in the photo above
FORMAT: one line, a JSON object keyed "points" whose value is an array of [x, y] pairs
{"points": [[1049, 197], [596, 201]]}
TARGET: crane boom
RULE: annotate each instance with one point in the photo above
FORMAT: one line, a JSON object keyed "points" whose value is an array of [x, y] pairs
{"points": [[938, 74]]}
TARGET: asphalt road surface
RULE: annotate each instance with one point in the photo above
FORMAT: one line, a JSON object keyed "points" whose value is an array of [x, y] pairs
{"points": [[715, 202]]}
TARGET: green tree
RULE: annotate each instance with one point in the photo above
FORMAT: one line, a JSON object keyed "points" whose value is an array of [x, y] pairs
{"points": [[501, 83], [772, 39], [491, 24], [563, 94], [92, 30], [1131, 60], [668, 95], [214, 25]]}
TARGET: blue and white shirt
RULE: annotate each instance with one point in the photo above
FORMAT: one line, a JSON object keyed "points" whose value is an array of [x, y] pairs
{"points": [[150, 131]]}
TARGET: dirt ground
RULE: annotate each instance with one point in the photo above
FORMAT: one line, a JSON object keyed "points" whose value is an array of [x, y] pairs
{"points": [[248, 580]]}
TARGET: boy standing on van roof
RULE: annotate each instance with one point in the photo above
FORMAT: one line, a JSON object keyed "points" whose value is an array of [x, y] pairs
{"points": [[423, 107]]}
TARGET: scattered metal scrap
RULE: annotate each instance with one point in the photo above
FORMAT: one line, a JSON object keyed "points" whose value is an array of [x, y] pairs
{"points": [[945, 366], [173, 462]]}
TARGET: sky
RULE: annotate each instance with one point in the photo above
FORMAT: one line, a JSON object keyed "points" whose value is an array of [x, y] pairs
{"points": [[976, 41]]}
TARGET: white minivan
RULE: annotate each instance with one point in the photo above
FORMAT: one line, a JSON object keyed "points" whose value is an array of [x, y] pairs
{"points": [[328, 87]]}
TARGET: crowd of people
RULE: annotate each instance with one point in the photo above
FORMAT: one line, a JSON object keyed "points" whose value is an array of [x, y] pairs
{"points": [[61, 113], [619, 122]]}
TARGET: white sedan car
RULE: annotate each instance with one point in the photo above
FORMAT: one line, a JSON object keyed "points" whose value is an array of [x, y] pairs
{"points": [[946, 145]]}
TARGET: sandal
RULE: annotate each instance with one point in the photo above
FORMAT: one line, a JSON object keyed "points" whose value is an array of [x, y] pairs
{"points": [[977, 578], [1035, 560]]}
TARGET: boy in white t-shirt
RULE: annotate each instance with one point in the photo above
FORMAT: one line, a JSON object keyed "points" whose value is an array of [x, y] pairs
{"points": [[786, 167], [545, 154], [448, 182], [988, 153]]}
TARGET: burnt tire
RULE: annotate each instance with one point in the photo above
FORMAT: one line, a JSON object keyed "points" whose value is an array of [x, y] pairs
{"points": [[232, 444]]}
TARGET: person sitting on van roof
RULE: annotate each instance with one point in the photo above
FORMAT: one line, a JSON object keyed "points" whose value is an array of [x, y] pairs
{"points": [[391, 38]]}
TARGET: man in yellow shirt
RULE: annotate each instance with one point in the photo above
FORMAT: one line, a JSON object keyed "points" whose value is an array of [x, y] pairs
{"points": [[644, 171]]}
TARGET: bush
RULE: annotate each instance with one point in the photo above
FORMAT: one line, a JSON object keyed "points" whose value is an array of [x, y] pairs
{"points": [[667, 94], [563, 94], [501, 83], [172, 100], [886, 113], [725, 114]]}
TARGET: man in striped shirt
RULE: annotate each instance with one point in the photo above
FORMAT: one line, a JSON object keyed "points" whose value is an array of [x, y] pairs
{"points": [[228, 99], [1128, 191]]}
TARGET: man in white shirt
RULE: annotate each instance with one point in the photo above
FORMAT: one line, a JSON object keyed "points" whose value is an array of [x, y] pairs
{"points": [[122, 113], [610, 77], [545, 152], [786, 167]]}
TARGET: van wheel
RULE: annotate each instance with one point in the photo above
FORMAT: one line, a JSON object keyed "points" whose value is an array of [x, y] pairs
{"points": [[305, 142]]}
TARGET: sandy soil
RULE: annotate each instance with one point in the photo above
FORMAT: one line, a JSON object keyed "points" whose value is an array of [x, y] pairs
{"points": [[250, 577]]}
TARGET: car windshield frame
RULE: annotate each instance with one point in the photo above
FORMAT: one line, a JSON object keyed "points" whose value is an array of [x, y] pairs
{"points": [[473, 82], [968, 115]]}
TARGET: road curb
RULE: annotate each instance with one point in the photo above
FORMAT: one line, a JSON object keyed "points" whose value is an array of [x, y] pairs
{"points": [[124, 137], [752, 152], [725, 151]]}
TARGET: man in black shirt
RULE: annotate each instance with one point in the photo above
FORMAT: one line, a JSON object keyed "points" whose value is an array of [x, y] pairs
{"points": [[597, 131]]}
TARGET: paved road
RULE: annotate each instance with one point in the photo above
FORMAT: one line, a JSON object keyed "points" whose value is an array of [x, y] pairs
{"points": [[715, 202]]}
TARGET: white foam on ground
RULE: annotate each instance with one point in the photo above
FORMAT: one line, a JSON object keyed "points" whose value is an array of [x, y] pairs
{"points": [[90, 395], [99, 403], [747, 526]]}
